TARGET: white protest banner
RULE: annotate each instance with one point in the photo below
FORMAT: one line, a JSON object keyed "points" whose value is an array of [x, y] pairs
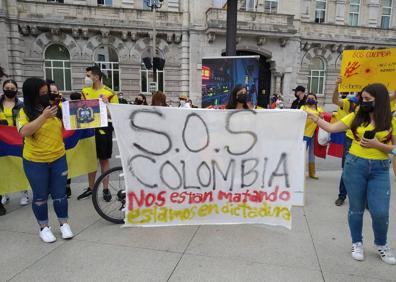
{"points": [[185, 167], [82, 114]]}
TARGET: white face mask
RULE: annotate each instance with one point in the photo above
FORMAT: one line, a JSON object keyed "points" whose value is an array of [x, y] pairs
{"points": [[88, 81]]}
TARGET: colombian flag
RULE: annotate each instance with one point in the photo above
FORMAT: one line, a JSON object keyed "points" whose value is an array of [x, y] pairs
{"points": [[80, 154]]}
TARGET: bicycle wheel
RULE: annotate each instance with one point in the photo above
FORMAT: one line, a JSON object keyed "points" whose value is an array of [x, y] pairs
{"points": [[110, 208]]}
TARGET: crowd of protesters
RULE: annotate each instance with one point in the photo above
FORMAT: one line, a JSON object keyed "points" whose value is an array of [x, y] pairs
{"points": [[365, 117]]}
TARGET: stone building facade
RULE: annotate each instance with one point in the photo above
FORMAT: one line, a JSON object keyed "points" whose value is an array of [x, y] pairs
{"points": [[299, 41]]}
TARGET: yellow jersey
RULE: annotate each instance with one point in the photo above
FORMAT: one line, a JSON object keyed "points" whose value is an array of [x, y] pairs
{"points": [[89, 93], [368, 153], [3, 117], [46, 144], [311, 126], [8, 116], [393, 105]]}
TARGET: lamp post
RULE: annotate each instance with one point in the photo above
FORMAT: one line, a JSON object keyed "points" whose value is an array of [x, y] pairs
{"points": [[232, 12], [154, 5]]}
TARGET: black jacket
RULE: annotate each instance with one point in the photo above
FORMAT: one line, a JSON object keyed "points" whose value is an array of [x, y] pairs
{"points": [[15, 109], [297, 104]]}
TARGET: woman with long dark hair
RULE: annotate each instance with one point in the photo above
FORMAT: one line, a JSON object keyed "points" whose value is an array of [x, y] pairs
{"points": [[239, 98], [366, 169], [44, 159]]}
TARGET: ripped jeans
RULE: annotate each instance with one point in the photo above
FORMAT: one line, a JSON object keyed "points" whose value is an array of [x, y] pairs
{"points": [[48, 179], [367, 180]]}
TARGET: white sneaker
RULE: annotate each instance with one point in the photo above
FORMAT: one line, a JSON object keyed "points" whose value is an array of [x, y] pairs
{"points": [[386, 254], [4, 200], [46, 235], [66, 231], [24, 198], [357, 251]]}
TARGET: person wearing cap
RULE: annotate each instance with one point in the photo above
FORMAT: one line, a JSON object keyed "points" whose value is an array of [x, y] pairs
{"points": [[299, 92], [183, 102]]}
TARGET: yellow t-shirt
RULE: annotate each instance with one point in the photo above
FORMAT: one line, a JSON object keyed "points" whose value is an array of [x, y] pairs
{"points": [[368, 153], [89, 93], [3, 117], [46, 144], [8, 116], [393, 105], [311, 126], [344, 110]]}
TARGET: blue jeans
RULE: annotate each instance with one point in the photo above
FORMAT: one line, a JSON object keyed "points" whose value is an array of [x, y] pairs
{"points": [[367, 180], [45, 179], [342, 190], [310, 147]]}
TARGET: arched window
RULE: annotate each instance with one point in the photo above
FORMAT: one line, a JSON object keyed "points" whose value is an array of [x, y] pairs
{"points": [[107, 59], [317, 76], [57, 66]]}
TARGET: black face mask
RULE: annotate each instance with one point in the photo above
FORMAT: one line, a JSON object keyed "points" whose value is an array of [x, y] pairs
{"points": [[10, 93], [53, 96], [367, 107], [138, 102], [242, 98], [44, 100], [311, 102]]}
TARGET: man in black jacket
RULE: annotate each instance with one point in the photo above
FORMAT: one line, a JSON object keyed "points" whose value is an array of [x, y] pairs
{"points": [[299, 92]]}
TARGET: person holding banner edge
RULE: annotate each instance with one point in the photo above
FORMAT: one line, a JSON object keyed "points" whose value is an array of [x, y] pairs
{"points": [[10, 106], [366, 171], [103, 136], [44, 156]]}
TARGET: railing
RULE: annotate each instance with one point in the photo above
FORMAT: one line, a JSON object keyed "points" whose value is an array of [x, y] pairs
{"points": [[252, 21], [95, 15]]}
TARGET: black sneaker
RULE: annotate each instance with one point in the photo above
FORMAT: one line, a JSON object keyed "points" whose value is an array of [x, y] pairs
{"points": [[107, 195], [85, 194], [3, 211], [68, 192], [339, 201]]}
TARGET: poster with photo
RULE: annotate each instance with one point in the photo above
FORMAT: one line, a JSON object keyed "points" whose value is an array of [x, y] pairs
{"points": [[221, 74], [84, 114]]}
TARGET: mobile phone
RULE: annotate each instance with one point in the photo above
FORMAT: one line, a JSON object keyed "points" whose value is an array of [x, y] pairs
{"points": [[369, 134]]}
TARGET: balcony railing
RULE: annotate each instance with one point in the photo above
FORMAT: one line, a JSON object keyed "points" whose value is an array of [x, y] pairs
{"points": [[68, 14], [252, 22]]}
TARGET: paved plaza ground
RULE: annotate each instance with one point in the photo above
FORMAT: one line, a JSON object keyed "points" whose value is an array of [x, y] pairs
{"points": [[316, 249]]}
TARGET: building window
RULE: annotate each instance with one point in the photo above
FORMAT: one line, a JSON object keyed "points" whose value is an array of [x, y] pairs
{"points": [[148, 3], [317, 76], [386, 13], [107, 59], [56, 1], [105, 2], [57, 66], [320, 11], [147, 82], [271, 6], [251, 5], [354, 10]]}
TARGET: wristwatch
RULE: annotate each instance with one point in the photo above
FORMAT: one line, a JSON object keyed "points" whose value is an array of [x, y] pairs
{"points": [[394, 151]]}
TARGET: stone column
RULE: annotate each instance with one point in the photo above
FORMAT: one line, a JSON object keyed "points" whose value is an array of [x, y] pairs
{"points": [[373, 12], [4, 61], [340, 12], [278, 78]]}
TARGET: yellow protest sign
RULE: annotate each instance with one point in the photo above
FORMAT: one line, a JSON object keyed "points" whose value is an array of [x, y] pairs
{"points": [[362, 67]]}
